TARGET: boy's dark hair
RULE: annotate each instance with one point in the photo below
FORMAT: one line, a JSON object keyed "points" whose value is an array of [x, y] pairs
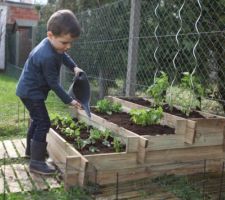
{"points": [[64, 22]]}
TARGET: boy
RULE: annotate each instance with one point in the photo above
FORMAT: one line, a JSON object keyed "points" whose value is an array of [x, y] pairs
{"points": [[40, 75]]}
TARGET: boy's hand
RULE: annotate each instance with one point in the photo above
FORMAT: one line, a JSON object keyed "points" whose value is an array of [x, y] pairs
{"points": [[77, 70], [76, 104]]}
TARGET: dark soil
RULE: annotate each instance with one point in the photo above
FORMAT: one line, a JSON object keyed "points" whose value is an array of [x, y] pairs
{"points": [[84, 134], [123, 120], [165, 107]]}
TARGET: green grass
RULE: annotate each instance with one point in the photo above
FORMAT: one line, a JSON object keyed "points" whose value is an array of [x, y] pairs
{"points": [[7, 88], [13, 115], [54, 194], [180, 186], [8, 96]]}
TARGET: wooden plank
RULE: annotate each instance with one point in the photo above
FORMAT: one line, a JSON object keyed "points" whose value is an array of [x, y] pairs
{"points": [[125, 174], [126, 105], [10, 149], [208, 139], [165, 142], [209, 115], [112, 161], [184, 155], [170, 120], [23, 177], [52, 182], [190, 132], [72, 171], [19, 147], [141, 155], [180, 128], [11, 179], [3, 153], [211, 126], [37, 180], [189, 136]]}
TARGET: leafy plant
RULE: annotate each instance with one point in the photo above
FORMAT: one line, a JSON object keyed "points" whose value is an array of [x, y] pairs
{"points": [[158, 90], [117, 144], [106, 134], [146, 117], [95, 134], [192, 84], [105, 106], [71, 128], [93, 149]]}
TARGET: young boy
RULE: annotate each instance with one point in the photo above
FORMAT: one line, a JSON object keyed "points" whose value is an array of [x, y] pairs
{"points": [[40, 75]]}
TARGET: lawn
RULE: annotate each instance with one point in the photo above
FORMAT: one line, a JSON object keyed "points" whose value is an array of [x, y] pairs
{"points": [[13, 115]]}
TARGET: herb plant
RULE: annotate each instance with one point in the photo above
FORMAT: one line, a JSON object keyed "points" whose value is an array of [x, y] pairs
{"points": [[105, 106], [146, 117]]}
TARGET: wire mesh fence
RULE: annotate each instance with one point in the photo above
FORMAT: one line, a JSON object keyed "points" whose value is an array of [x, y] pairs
{"points": [[172, 36]]}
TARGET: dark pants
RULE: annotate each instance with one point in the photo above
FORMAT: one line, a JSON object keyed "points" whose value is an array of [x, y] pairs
{"points": [[40, 122]]}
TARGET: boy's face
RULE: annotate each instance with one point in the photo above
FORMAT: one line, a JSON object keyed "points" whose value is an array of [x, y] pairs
{"points": [[61, 43]]}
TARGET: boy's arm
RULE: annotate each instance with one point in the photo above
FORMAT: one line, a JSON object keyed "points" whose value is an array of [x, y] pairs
{"points": [[51, 75], [68, 62]]}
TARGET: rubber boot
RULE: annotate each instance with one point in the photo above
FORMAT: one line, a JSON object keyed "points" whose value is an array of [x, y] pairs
{"points": [[37, 162]]}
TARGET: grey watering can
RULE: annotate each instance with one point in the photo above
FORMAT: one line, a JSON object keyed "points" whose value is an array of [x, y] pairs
{"points": [[80, 91]]}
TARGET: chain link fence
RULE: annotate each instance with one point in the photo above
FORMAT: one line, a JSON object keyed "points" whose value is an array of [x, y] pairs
{"points": [[171, 36]]}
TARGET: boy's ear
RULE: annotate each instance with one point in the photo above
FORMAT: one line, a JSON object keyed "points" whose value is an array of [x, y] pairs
{"points": [[50, 34]]}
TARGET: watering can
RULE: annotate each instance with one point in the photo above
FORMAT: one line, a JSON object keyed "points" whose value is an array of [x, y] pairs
{"points": [[80, 91]]}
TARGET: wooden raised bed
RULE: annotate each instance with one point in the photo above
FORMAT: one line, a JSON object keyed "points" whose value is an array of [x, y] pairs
{"points": [[101, 168], [199, 131], [181, 153]]}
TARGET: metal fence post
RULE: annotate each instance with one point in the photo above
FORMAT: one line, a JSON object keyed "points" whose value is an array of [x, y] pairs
{"points": [[133, 47]]}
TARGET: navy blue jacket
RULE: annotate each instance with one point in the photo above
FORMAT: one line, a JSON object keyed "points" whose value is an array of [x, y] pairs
{"points": [[41, 73]]}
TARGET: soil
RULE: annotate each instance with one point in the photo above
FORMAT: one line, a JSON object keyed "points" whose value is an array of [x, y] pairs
{"points": [[165, 107], [84, 134], [123, 119]]}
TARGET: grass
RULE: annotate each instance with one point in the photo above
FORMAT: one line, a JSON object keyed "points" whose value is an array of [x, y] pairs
{"points": [[14, 117], [180, 186], [54, 194]]}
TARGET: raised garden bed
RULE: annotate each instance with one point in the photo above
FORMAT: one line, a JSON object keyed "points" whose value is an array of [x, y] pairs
{"points": [[80, 167], [169, 153], [200, 128]]}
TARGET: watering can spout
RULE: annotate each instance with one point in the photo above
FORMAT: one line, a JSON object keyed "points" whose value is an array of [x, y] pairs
{"points": [[80, 91]]}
